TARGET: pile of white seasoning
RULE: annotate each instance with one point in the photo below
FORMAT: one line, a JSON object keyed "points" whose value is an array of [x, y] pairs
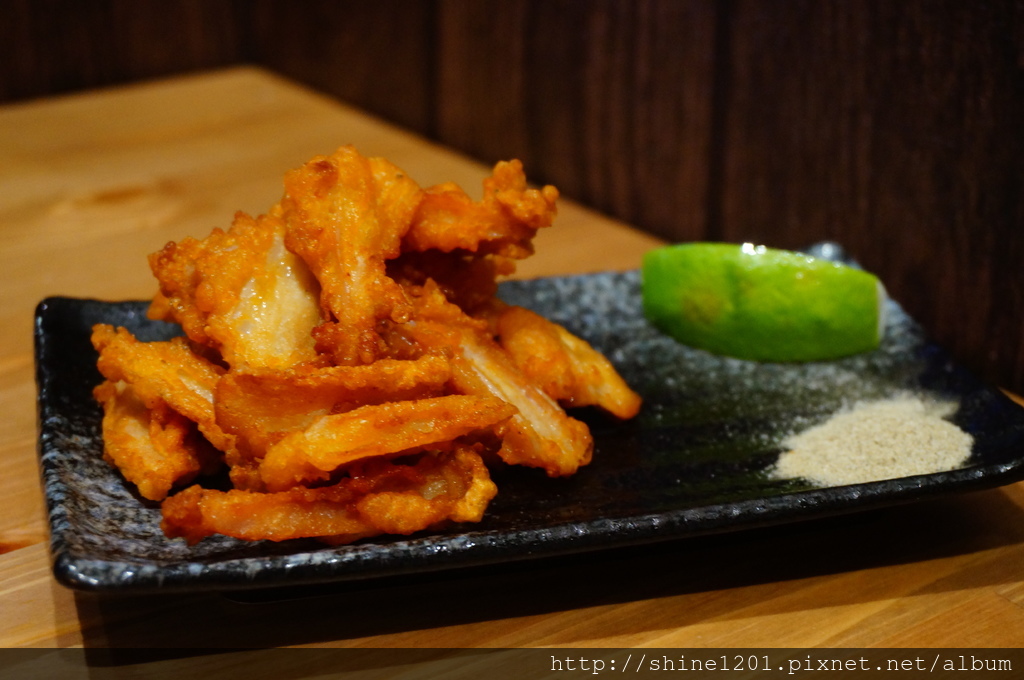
{"points": [[876, 440]]}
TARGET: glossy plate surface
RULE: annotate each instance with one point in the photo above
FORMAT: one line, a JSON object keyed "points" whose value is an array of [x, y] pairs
{"points": [[694, 461]]}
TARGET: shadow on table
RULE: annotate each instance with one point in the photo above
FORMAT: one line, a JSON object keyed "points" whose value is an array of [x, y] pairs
{"points": [[763, 563]]}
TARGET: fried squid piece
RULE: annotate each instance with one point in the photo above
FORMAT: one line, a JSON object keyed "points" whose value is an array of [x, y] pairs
{"points": [[331, 441], [503, 222], [566, 367], [261, 407], [379, 497], [154, 448], [346, 356], [468, 280], [165, 372], [241, 292], [540, 434], [345, 216]]}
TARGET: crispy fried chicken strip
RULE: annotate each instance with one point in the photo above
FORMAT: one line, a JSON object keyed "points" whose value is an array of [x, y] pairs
{"points": [[241, 292], [468, 280], [566, 367], [154, 448], [261, 407], [345, 216], [331, 441], [165, 372], [540, 434], [378, 497], [503, 222], [347, 358]]}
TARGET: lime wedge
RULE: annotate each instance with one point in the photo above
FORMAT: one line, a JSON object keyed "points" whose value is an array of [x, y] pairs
{"points": [[763, 304]]}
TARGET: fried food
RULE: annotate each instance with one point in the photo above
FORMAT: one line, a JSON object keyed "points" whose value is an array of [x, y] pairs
{"points": [[468, 280], [261, 407], [346, 215], [566, 367], [156, 448], [163, 373], [242, 293], [540, 434], [331, 441], [348, 363], [503, 223], [378, 497]]}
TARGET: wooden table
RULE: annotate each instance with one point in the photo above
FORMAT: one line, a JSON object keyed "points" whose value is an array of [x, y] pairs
{"points": [[90, 184]]}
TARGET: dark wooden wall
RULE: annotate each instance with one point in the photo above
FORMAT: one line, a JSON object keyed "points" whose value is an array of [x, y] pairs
{"points": [[895, 127]]}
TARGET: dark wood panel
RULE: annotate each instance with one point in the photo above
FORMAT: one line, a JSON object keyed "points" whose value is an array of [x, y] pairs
{"points": [[610, 101], [377, 55], [55, 46], [893, 128]]}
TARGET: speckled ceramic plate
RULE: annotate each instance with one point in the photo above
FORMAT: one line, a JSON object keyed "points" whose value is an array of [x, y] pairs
{"points": [[695, 461]]}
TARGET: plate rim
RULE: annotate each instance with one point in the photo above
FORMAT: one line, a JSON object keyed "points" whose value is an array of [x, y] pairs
{"points": [[470, 548]]}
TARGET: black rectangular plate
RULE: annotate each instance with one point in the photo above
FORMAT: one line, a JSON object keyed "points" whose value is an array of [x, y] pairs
{"points": [[695, 461]]}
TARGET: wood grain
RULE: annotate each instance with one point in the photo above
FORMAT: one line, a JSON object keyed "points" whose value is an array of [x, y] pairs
{"points": [[78, 214], [883, 579], [377, 55], [52, 46], [611, 101], [887, 579], [892, 128]]}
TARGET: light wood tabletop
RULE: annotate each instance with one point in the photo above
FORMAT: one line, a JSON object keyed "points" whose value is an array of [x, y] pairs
{"points": [[92, 183]]}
